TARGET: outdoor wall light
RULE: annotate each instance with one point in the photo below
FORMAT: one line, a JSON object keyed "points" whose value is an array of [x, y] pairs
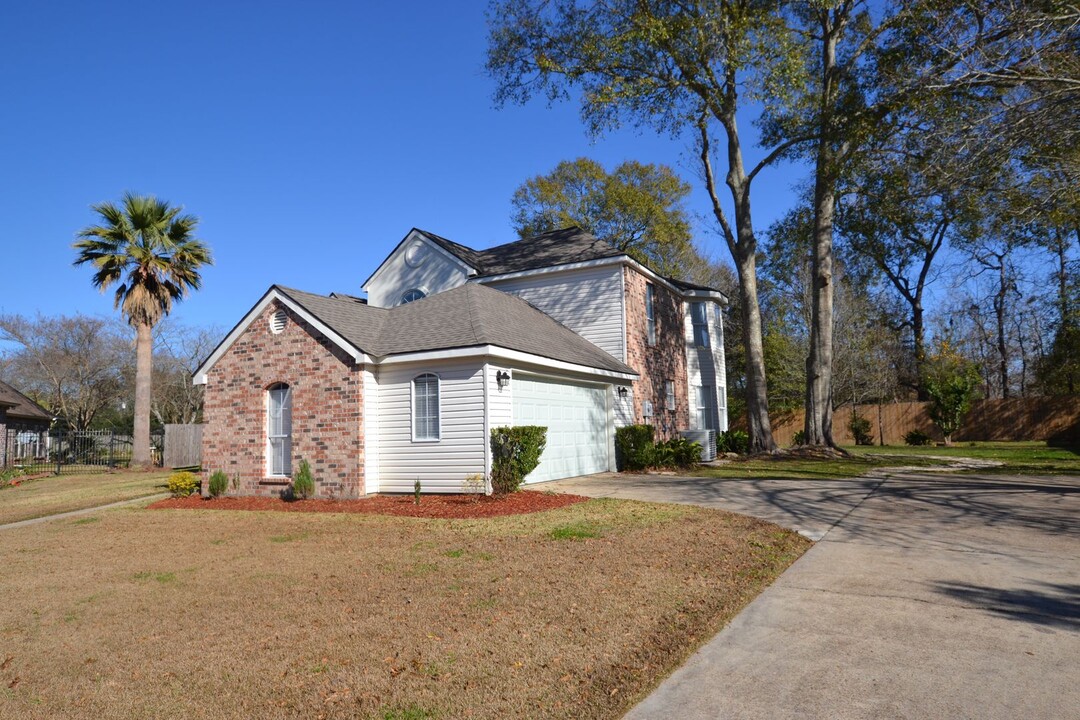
{"points": [[502, 378], [622, 391]]}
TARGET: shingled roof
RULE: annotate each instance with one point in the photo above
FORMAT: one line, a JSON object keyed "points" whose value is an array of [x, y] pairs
{"points": [[467, 316], [20, 406], [556, 247]]}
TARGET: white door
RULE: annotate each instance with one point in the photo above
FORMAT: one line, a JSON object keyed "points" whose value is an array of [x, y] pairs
{"points": [[576, 417]]}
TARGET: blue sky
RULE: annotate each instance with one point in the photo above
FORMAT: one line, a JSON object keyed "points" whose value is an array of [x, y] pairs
{"points": [[308, 137]]}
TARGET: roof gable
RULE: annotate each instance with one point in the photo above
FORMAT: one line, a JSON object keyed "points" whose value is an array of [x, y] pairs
{"points": [[20, 406], [450, 251]]}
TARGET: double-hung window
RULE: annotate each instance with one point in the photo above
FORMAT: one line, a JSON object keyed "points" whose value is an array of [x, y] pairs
{"points": [[425, 407], [700, 318], [705, 407], [669, 394], [650, 312], [718, 321], [279, 430]]}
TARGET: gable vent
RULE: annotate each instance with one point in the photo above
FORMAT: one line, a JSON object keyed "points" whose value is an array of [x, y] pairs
{"points": [[277, 321]]}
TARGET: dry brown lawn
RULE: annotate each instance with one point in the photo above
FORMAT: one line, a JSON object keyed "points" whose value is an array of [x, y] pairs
{"points": [[62, 493], [570, 613]]}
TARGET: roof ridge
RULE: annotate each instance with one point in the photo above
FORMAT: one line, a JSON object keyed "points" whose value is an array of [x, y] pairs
{"points": [[474, 318]]}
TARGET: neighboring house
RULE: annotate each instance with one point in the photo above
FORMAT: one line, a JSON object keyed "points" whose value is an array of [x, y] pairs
{"points": [[21, 423], [561, 330]]}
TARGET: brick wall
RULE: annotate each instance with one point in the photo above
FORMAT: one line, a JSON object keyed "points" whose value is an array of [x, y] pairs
{"points": [[327, 408], [666, 360]]}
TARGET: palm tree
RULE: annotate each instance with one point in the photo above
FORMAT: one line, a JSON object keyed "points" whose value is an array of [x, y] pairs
{"points": [[147, 248]]}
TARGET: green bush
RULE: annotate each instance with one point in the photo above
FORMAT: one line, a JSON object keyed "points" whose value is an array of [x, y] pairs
{"points": [[917, 438], [218, 484], [860, 429], [635, 449], [515, 452], [182, 484], [303, 485], [799, 439], [677, 452], [733, 441]]}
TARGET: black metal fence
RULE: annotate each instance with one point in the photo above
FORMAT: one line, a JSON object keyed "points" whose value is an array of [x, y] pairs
{"points": [[70, 451]]}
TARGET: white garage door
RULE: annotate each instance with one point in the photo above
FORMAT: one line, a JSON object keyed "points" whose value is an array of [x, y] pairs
{"points": [[577, 422]]}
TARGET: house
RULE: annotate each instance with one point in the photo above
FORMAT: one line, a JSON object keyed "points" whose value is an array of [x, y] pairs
{"points": [[562, 330], [22, 423]]}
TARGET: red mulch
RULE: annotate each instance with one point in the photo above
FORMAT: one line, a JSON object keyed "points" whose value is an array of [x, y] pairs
{"points": [[431, 506]]}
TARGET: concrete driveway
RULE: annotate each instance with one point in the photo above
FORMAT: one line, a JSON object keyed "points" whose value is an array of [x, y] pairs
{"points": [[927, 596]]}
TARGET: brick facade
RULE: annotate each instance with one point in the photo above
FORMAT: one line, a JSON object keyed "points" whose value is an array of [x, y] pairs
{"points": [[327, 408], [666, 360]]}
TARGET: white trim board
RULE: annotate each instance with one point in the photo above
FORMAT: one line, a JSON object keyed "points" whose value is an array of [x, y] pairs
{"points": [[506, 354]]}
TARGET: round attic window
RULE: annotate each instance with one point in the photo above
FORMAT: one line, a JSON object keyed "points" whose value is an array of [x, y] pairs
{"points": [[414, 254], [277, 321]]}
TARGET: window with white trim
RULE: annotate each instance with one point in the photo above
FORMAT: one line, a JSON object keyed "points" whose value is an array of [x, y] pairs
{"points": [[704, 407], [718, 321], [425, 401], [279, 430], [412, 296], [650, 312], [700, 318], [669, 394]]}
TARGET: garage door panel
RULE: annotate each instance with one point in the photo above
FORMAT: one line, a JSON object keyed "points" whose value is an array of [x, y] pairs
{"points": [[576, 418]]}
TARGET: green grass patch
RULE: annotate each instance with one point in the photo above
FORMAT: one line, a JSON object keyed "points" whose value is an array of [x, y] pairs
{"points": [[161, 577], [1016, 458], [576, 531], [287, 538], [86, 520]]}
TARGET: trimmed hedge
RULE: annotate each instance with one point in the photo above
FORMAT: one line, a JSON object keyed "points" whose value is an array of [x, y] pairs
{"points": [[635, 447], [182, 484], [515, 452]]}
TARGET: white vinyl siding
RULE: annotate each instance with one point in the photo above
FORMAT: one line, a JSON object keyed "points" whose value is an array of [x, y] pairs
{"points": [[589, 301], [500, 400], [279, 431], [426, 407], [371, 430], [441, 466], [706, 397], [705, 363], [435, 272]]}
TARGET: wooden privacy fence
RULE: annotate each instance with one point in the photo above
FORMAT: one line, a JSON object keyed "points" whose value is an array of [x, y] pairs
{"points": [[1037, 418], [183, 445]]}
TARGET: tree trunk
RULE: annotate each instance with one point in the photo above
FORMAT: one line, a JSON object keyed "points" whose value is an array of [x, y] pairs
{"points": [[999, 316], [819, 362], [918, 331], [757, 398], [144, 346]]}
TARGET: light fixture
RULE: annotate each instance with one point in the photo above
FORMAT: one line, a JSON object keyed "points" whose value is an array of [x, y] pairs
{"points": [[502, 378], [622, 391]]}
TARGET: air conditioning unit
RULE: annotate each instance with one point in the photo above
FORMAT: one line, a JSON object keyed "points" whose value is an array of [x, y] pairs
{"points": [[705, 438]]}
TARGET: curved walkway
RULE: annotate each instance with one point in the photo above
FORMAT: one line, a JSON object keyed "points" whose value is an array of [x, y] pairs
{"points": [[926, 596]]}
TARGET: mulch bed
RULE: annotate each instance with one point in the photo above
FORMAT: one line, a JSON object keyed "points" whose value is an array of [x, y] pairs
{"points": [[431, 506]]}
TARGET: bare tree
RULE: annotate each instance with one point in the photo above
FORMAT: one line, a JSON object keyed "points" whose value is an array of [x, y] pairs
{"points": [[73, 365]]}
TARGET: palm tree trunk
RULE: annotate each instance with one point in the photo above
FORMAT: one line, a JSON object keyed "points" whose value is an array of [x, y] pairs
{"points": [[144, 345]]}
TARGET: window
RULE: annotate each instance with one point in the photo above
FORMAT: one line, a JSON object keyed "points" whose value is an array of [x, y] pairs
{"points": [[704, 407], [412, 296], [718, 321], [669, 392], [722, 397], [701, 324], [279, 430], [650, 312], [426, 407]]}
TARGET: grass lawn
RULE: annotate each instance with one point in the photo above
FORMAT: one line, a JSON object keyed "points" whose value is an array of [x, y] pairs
{"points": [[570, 613], [61, 493], [1017, 458], [782, 467]]}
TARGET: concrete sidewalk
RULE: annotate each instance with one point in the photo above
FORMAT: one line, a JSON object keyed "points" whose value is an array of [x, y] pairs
{"points": [[83, 511], [927, 596]]}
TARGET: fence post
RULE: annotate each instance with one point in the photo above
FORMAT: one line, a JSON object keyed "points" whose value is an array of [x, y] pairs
{"points": [[59, 454]]}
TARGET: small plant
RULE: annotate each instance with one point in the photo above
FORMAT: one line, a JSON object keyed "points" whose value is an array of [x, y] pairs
{"points": [[860, 429], [635, 447], [677, 452], [303, 485], [236, 482], [515, 452], [218, 484], [917, 438], [799, 439], [182, 484], [733, 441], [416, 491], [475, 484]]}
